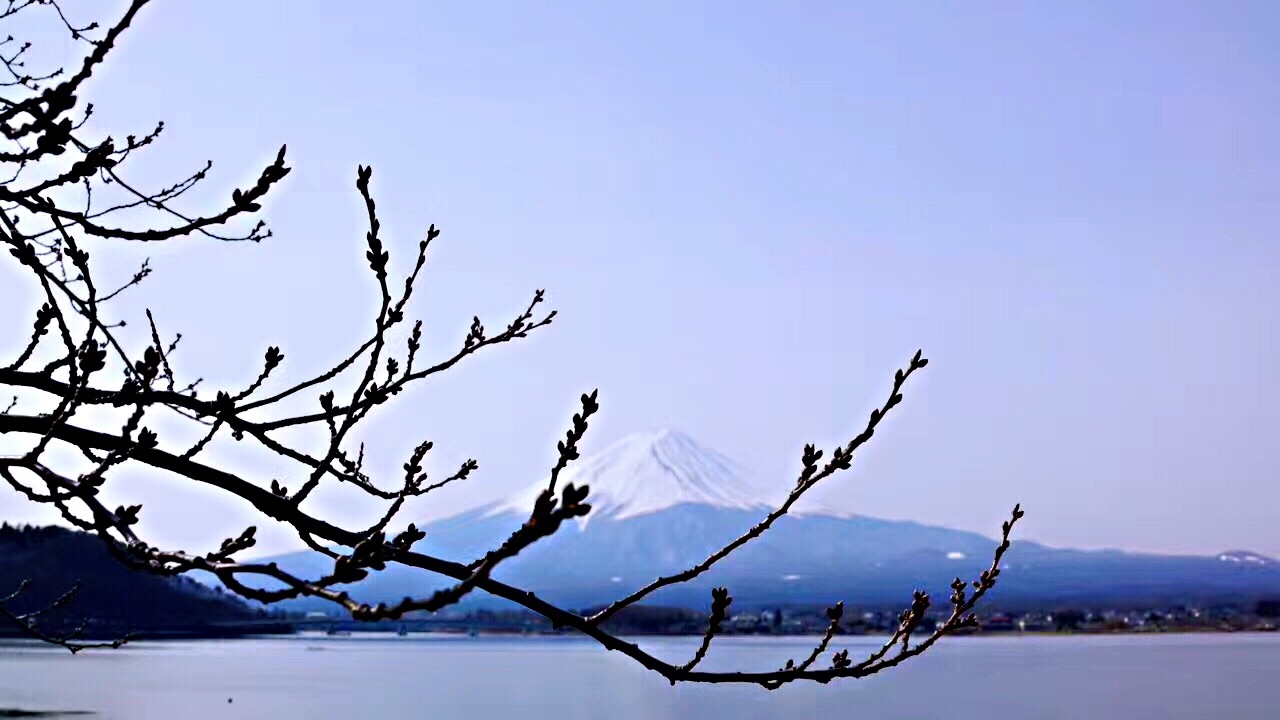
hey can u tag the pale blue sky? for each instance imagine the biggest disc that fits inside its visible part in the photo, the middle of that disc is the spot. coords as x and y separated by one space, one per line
749 214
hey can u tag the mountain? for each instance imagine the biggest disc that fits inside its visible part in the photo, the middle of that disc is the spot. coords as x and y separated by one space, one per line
661 502
648 473
112 599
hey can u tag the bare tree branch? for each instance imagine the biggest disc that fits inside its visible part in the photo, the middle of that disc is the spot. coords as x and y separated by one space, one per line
74 358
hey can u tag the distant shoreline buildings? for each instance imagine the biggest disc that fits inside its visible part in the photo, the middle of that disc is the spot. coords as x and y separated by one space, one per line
1264 616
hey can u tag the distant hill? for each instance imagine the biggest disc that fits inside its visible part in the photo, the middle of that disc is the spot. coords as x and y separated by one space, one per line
112 597
661 502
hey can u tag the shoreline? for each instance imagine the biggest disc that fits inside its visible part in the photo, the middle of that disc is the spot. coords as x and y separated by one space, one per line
438 634
278 632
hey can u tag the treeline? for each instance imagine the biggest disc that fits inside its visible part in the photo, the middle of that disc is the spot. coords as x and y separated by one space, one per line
112 599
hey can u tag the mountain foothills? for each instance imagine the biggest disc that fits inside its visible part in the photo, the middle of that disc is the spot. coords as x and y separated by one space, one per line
661 502
112 600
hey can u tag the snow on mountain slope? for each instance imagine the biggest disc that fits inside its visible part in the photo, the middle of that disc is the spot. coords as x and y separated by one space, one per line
663 503
648 472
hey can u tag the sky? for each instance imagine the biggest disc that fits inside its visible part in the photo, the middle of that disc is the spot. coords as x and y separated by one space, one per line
748 215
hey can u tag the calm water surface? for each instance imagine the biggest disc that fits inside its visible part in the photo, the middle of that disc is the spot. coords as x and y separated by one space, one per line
1131 677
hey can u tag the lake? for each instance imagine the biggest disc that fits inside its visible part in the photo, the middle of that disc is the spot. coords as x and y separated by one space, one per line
1131 677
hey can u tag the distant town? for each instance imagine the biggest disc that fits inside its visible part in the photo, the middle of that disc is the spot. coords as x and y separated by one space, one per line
1263 616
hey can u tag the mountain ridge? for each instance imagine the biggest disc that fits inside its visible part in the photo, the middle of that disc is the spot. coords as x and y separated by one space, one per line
662 502
112 599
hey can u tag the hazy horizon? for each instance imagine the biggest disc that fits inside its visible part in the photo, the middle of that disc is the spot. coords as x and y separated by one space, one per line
747 221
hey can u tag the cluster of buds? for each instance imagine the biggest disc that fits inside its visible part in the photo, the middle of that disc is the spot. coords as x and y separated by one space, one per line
958 597
548 514
413 475
569 446
376 256
126 516
230 546
910 618
405 539
521 324
720 602
371 552
93 357
835 612
810 461
475 334
273 358
245 201
148 368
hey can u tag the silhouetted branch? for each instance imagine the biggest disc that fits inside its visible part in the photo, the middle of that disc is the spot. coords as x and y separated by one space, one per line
74 357
841 459
29 622
720 602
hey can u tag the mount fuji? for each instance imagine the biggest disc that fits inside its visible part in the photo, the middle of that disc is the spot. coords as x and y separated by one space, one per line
661 502
651 472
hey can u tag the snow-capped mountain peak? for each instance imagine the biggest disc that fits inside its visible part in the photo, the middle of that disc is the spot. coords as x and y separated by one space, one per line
647 472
